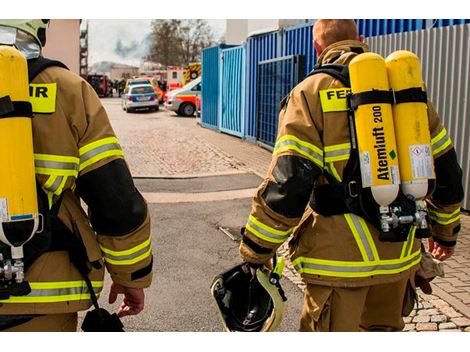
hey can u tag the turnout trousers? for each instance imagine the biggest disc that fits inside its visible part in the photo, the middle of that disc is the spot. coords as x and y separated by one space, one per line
369 308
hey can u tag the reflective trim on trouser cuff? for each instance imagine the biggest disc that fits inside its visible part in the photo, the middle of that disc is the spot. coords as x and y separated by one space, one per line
363 237
51 292
265 232
128 256
98 150
355 269
440 142
443 218
290 142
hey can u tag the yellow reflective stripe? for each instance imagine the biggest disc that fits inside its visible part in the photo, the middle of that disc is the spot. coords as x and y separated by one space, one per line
50 292
127 256
53 285
266 232
61 186
363 237
440 142
126 251
96 144
330 167
56 165
58 158
290 142
57 172
129 261
43 97
408 245
101 156
334 99
50 181
443 218
98 150
356 269
337 152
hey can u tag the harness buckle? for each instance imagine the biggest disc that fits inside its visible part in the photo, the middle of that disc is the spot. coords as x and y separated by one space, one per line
353 189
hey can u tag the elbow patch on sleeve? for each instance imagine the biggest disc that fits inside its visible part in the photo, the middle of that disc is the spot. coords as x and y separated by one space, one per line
449 189
289 195
116 206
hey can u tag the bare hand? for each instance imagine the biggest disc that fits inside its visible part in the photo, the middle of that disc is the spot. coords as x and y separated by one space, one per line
438 251
133 302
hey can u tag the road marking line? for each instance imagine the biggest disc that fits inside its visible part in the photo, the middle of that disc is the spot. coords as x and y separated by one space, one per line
166 197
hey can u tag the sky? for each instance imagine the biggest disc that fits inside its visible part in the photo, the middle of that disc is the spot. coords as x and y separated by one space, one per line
103 36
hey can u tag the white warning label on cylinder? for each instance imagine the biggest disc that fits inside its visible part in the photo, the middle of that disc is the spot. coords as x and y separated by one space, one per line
366 169
421 161
395 173
4 210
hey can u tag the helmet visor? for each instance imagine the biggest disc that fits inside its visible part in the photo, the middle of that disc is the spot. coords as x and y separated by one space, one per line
7 35
22 41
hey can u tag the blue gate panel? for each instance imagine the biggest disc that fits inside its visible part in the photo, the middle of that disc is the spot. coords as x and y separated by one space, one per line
210 87
276 79
232 103
259 48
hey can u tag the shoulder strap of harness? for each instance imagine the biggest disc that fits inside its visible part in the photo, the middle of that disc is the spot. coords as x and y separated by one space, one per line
36 66
337 71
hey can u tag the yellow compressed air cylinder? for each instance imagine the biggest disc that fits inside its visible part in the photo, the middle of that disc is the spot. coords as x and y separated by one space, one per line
374 130
18 198
411 125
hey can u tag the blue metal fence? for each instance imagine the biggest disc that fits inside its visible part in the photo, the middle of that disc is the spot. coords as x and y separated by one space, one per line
298 40
235 98
259 48
210 86
232 88
276 78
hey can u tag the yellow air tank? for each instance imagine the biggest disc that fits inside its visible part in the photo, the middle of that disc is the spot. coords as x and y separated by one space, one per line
411 130
411 124
18 201
374 129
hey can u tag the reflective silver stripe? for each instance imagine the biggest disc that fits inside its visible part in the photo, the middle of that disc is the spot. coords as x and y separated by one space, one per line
337 153
59 165
267 233
436 144
90 154
363 237
289 142
63 291
355 269
56 184
444 219
129 256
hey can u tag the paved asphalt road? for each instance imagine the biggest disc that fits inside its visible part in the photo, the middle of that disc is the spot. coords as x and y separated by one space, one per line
189 250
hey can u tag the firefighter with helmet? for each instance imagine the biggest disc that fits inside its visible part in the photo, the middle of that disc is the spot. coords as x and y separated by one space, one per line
76 157
355 281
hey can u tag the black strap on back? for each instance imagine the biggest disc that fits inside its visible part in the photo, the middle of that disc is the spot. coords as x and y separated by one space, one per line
371 97
410 95
337 71
36 66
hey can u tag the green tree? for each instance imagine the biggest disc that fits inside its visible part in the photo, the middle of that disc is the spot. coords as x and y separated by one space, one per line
166 47
179 42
